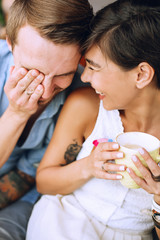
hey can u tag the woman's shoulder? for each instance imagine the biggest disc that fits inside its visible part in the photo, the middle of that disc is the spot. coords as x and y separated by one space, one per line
84 99
85 94
82 107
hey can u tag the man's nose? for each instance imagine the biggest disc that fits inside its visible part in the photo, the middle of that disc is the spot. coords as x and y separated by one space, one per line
47 89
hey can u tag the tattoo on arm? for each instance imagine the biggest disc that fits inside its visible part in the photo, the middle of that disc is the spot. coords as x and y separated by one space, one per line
72 152
14 185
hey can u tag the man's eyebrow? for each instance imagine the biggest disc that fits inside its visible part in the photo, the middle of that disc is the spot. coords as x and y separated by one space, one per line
93 63
65 74
58 75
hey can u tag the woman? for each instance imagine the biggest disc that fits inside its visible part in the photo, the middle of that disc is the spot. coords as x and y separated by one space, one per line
90 203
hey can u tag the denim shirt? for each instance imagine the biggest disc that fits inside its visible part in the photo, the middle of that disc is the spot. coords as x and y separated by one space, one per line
26 157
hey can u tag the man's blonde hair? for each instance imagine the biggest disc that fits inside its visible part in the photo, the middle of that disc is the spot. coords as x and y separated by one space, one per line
61 21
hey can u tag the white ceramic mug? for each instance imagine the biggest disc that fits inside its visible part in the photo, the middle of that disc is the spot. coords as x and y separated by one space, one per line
129 143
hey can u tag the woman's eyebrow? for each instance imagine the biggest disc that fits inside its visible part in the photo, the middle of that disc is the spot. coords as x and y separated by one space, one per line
93 63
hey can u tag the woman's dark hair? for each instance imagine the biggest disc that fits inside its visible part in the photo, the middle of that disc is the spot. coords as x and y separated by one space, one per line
128 32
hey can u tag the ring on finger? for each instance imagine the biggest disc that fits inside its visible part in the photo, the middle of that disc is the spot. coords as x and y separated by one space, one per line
23 88
156 178
29 91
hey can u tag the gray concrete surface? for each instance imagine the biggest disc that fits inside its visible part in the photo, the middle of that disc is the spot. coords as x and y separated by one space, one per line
98 4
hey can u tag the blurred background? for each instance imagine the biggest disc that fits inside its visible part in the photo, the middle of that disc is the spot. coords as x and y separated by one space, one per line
98 4
1 14
4 8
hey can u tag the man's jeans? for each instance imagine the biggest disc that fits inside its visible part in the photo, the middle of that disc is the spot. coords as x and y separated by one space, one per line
14 220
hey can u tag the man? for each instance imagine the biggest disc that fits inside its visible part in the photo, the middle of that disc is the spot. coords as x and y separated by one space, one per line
46 39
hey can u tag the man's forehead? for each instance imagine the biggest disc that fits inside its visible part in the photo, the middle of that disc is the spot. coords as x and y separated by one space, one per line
50 68
45 56
28 36
53 65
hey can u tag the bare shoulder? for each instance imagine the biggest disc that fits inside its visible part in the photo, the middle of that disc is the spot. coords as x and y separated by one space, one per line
81 110
84 98
83 106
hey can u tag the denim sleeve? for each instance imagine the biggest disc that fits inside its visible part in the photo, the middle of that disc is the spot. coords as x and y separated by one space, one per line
31 154
30 159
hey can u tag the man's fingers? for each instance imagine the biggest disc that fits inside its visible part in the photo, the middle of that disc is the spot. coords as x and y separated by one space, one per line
34 84
36 95
26 81
15 77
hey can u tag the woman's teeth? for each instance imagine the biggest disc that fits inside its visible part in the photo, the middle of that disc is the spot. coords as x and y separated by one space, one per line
99 93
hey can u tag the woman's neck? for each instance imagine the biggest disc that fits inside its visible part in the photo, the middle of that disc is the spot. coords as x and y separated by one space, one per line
144 114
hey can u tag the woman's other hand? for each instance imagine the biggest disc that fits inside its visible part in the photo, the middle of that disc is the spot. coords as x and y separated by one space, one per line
151 175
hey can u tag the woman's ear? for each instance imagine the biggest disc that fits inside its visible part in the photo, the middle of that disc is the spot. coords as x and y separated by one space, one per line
145 75
9 43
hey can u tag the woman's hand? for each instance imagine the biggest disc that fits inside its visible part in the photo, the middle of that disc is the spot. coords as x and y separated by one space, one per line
23 89
101 164
149 181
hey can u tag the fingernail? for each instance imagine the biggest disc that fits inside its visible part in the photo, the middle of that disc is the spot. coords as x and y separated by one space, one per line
134 158
95 143
141 151
115 146
122 168
119 177
110 140
40 87
34 73
40 77
128 170
119 155
23 71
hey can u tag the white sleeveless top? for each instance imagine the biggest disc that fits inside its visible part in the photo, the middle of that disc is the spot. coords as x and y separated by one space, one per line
108 200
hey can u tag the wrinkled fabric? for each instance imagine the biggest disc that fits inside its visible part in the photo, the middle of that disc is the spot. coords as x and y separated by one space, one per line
100 209
62 218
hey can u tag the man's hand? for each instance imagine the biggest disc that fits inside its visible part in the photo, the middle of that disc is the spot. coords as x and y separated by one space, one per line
24 89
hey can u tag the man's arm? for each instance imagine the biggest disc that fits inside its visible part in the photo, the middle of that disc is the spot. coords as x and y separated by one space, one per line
21 107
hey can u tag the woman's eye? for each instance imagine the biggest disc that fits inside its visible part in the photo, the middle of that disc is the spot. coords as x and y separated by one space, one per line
90 68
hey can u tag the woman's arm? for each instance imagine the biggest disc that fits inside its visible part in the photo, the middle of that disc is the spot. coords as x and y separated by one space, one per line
75 123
